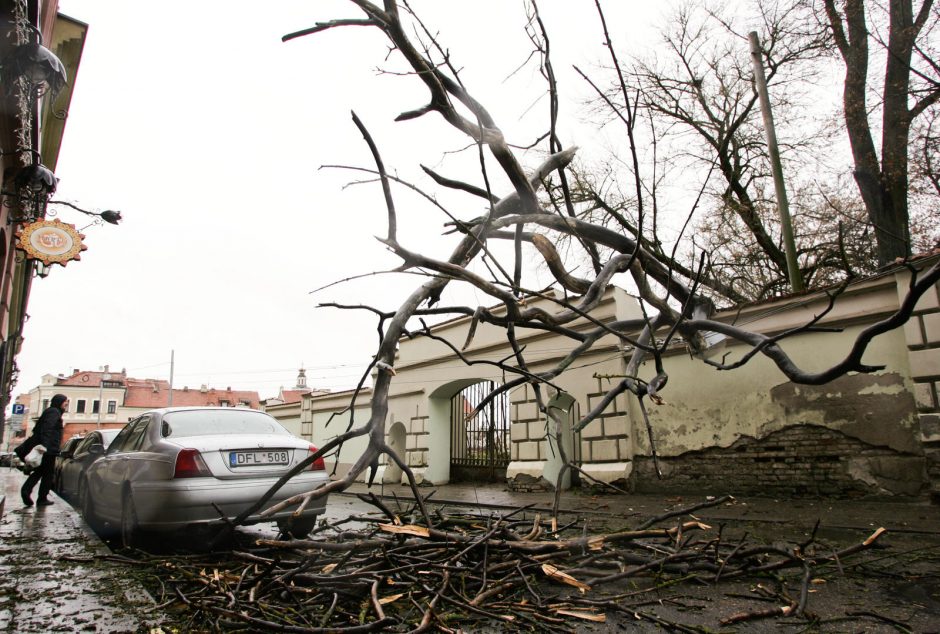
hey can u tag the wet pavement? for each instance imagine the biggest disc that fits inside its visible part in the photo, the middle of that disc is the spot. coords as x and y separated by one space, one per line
899 515
55 574
52 576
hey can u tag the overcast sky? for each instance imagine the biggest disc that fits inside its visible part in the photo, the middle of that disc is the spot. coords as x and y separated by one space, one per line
208 133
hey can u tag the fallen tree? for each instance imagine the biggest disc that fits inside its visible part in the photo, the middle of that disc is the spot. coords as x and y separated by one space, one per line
672 304
515 571
672 301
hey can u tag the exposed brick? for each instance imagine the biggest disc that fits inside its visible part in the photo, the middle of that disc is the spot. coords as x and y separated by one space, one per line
518 431
798 460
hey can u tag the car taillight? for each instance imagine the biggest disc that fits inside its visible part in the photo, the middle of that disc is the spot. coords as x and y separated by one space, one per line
318 463
189 464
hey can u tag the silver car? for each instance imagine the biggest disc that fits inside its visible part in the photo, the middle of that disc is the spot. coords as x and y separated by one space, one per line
68 476
179 468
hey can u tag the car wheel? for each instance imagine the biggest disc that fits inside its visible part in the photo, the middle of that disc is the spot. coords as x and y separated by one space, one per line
130 530
297 527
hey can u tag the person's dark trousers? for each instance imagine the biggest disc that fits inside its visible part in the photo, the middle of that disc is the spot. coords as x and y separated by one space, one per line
43 475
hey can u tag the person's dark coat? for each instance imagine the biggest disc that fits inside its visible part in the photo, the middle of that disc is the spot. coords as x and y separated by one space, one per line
47 431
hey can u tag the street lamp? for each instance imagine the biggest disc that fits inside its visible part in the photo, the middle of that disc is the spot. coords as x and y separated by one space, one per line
104 377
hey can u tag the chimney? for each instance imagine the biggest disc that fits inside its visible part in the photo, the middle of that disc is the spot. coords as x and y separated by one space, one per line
76 371
204 388
185 388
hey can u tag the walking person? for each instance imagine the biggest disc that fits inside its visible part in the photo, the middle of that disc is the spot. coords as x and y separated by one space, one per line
48 433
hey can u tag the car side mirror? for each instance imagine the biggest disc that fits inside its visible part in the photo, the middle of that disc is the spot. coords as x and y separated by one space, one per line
96 449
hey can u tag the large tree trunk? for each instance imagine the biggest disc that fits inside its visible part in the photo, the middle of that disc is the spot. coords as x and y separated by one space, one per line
883 187
894 239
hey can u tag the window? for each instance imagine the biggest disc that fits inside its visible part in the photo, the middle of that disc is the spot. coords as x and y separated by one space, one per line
224 403
131 437
121 438
82 447
208 422
80 406
95 406
112 407
138 435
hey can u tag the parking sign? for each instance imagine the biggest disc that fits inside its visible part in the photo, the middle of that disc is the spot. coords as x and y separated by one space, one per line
19 408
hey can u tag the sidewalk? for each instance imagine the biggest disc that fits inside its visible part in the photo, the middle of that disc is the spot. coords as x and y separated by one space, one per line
897 515
50 579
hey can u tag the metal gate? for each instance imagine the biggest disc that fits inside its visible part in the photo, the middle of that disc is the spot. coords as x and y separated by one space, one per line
479 446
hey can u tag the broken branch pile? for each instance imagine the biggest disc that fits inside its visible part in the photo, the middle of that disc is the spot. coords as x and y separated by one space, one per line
470 571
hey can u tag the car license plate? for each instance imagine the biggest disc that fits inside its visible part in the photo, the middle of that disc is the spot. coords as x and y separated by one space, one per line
252 458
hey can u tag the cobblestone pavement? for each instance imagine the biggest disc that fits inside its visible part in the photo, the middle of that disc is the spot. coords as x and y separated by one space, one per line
50 577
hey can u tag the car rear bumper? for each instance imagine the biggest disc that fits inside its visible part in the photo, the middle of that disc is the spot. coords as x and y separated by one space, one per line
175 504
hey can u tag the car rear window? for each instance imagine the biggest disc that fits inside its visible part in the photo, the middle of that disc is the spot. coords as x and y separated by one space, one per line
216 422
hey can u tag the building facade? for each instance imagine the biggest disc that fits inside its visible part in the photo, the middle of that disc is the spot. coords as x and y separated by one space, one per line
32 123
747 431
105 399
286 406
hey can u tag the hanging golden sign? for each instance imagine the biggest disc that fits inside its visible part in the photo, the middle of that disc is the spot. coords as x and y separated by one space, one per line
51 241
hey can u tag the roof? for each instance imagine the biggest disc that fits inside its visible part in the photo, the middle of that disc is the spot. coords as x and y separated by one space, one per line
191 408
151 393
83 378
293 396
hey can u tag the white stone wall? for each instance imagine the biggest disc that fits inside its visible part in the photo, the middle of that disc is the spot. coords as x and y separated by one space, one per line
703 408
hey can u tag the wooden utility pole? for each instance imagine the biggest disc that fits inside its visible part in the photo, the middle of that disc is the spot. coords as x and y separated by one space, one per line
783 205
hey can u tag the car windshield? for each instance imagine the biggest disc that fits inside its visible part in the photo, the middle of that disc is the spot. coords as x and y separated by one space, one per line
211 422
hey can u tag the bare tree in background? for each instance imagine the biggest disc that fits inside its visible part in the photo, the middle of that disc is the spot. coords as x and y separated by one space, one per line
901 38
694 101
671 297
